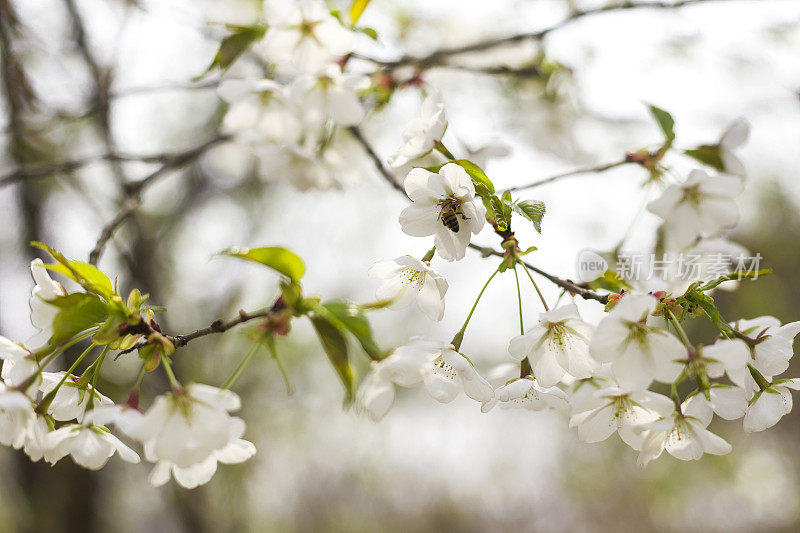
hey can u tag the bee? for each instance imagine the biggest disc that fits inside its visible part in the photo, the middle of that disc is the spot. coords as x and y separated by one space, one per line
451 210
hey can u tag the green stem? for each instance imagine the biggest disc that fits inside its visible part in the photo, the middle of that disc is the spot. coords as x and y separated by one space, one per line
673 393
173 382
96 366
679 329
442 149
519 302
50 358
460 335
284 373
240 367
48 398
535 286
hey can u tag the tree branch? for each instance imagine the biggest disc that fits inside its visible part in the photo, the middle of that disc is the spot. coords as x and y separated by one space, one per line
439 57
133 196
568 285
218 326
570 173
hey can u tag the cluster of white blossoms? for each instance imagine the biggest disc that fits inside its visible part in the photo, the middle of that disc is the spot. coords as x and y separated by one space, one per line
51 415
289 122
607 378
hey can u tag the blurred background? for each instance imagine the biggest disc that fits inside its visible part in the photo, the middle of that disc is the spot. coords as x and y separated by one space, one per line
88 77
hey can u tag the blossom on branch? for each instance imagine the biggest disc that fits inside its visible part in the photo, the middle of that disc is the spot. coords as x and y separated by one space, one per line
444 206
421 134
407 279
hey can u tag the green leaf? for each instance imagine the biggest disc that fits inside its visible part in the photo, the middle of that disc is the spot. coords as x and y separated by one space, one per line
335 345
533 210
87 276
351 317
738 275
235 44
708 154
476 173
372 33
356 9
665 122
498 208
77 312
274 257
610 281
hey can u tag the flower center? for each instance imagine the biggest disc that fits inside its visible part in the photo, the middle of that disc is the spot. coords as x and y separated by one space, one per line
442 369
414 278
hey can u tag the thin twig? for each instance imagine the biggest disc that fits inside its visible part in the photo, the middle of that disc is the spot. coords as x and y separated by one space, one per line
563 283
439 57
133 197
218 326
570 173
376 160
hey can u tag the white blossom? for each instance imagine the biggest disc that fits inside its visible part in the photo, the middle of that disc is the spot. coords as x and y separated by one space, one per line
728 356
19 364
727 402
16 417
613 409
557 345
42 312
185 427
330 94
453 372
734 136
526 393
237 451
684 437
260 111
437 196
638 351
422 133
774 344
703 205
37 445
770 405
304 33
70 402
407 279
89 446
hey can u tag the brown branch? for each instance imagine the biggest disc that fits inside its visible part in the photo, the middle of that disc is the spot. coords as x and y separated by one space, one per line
387 174
218 326
440 57
133 196
101 80
566 284
570 173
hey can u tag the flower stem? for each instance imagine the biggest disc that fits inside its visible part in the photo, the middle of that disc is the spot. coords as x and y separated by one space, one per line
519 301
174 383
442 149
460 335
535 286
679 329
49 359
240 367
48 398
96 373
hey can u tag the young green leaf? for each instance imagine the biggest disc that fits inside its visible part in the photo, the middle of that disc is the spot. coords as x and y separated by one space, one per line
708 154
235 44
274 257
352 318
87 276
738 275
533 210
335 345
665 122
77 312
476 173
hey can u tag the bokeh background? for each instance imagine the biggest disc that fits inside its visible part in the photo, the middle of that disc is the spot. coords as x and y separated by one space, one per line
425 467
